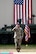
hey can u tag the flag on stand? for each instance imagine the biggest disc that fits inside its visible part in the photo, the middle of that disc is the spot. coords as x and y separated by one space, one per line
22 10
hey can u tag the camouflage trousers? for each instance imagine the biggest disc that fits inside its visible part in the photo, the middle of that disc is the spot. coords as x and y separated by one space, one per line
17 43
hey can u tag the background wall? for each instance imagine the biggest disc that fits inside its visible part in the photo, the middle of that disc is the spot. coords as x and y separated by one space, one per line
6 12
34 9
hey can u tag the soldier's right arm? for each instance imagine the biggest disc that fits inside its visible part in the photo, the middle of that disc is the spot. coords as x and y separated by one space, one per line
14 29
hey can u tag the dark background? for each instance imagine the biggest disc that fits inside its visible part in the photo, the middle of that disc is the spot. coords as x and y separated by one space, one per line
6 37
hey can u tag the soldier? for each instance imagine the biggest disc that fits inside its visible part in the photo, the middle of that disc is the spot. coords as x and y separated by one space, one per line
18 36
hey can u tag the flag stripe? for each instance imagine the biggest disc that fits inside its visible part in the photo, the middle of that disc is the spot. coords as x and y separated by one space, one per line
22 15
18 11
30 11
21 11
27 10
24 11
15 14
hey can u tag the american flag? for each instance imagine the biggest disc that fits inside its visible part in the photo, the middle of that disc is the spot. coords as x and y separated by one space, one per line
23 10
27 32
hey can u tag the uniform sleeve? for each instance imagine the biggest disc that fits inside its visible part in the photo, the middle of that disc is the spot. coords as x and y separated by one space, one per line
14 29
22 33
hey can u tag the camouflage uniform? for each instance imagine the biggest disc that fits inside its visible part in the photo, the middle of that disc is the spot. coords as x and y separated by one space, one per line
18 36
